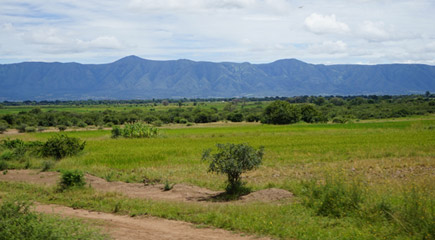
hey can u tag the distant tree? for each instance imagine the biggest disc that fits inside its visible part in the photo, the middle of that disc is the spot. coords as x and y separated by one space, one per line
281 112
319 101
337 101
309 113
235 117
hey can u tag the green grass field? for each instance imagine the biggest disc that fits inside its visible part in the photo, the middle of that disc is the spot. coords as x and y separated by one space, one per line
389 159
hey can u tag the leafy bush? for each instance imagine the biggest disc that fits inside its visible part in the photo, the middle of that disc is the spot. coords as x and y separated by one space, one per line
60 146
235 117
82 124
116 132
7 155
11 144
3 128
417 214
3 165
18 222
22 128
47 165
62 128
71 178
233 160
333 198
135 130
281 112
30 129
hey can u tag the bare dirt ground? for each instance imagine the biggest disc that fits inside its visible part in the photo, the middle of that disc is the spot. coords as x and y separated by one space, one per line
180 192
138 228
128 228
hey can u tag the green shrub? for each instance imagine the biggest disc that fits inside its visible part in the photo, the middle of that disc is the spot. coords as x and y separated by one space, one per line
157 123
3 128
71 178
116 132
135 130
82 124
60 146
339 120
281 112
182 121
416 214
7 155
3 165
14 143
30 129
21 128
233 160
18 222
334 198
47 165
62 128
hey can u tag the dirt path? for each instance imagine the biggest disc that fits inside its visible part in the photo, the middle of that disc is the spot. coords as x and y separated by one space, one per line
180 192
137 228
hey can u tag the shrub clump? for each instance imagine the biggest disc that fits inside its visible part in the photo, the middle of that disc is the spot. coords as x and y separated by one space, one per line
71 178
135 130
334 198
60 146
18 222
233 160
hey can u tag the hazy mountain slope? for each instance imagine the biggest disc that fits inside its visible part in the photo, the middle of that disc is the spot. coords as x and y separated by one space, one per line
132 77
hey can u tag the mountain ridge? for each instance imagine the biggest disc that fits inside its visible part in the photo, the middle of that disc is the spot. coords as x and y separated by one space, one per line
133 77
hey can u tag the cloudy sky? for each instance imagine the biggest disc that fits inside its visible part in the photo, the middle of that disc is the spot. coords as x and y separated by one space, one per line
256 31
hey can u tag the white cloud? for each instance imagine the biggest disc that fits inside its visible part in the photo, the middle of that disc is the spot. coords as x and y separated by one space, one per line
320 24
328 47
374 31
92 31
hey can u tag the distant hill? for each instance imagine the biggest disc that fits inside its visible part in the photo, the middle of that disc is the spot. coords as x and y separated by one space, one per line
136 78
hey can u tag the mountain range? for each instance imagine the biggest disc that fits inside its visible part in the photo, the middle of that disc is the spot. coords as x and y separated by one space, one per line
136 78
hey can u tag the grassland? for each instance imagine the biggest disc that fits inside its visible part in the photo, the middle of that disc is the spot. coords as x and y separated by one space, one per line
390 160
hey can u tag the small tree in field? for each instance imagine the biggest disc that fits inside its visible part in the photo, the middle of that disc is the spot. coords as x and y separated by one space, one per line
233 160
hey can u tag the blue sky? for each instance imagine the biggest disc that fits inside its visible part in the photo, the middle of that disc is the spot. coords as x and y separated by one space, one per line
256 31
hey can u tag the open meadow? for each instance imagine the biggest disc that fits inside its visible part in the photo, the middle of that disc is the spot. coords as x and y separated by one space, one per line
369 180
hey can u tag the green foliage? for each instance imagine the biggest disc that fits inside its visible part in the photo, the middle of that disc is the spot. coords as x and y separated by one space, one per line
235 117
333 198
11 144
3 128
60 146
135 130
116 132
71 178
22 128
7 155
281 112
168 186
416 214
233 160
47 165
3 165
30 129
18 222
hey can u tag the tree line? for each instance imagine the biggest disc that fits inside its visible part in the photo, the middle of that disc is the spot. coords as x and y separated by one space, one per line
310 109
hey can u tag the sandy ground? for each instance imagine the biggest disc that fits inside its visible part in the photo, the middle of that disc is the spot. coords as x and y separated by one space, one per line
125 227
180 192
138 228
